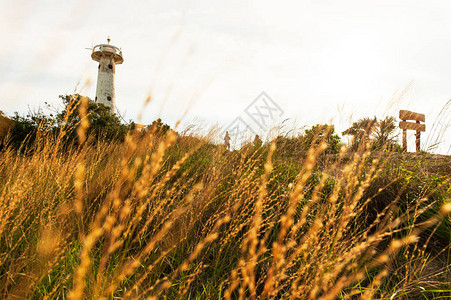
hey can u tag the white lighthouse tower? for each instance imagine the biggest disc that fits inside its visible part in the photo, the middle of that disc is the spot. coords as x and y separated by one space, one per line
108 57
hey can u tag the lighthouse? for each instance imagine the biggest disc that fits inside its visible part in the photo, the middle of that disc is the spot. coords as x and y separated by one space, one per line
108 57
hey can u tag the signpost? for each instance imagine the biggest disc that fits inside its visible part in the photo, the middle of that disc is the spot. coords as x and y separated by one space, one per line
406 115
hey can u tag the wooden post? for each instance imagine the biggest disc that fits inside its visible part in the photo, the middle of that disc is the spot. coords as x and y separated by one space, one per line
406 115
404 140
417 139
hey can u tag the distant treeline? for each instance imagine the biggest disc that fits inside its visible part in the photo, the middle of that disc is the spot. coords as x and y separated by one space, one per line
20 132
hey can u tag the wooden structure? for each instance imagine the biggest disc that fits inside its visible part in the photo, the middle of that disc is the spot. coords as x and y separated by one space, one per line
405 116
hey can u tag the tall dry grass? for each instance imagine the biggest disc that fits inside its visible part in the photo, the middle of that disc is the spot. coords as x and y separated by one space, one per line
179 217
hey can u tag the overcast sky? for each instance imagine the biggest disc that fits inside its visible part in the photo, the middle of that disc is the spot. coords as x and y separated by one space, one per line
206 61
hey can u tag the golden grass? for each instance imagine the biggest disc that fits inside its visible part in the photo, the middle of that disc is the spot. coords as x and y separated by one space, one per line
172 216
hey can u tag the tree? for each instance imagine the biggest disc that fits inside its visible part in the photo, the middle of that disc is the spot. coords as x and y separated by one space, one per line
381 134
385 134
102 123
23 130
361 132
158 128
319 133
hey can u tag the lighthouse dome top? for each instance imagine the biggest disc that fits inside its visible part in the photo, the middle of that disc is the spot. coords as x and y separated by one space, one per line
102 50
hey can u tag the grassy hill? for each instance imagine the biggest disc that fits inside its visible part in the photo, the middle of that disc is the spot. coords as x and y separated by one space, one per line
178 217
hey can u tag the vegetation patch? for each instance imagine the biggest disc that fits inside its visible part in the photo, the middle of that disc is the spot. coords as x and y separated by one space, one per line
94 208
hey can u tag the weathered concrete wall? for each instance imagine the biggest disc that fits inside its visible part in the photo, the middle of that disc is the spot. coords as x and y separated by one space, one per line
105 93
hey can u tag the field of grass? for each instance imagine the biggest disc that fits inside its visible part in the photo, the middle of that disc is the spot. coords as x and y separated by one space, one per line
177 217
